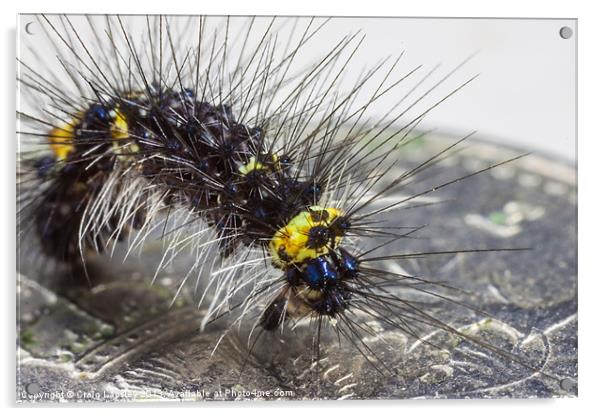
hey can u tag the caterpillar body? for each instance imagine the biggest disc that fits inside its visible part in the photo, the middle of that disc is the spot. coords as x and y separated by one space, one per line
198 155
273 181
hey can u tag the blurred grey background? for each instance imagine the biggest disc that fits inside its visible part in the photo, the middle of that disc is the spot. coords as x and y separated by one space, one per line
525 94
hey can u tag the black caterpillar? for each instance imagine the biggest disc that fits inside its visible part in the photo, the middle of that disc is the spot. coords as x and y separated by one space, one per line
171 130
198 156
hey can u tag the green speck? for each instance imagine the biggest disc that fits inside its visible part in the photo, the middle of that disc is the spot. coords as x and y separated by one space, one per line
65 358
77 347
497 217
411 143
107 331
27 338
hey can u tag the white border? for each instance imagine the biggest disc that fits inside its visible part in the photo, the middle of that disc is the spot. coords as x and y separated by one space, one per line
589 158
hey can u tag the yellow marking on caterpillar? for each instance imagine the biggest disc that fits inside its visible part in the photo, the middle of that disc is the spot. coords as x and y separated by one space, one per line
289 243
276 161
252 165
120 131
119 128
61 139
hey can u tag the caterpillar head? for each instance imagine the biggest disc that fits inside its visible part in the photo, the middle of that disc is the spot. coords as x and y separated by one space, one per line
323 283
318 271
310 234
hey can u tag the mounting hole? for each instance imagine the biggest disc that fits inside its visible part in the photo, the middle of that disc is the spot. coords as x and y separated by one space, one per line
566 32
568 384
33 388
29 28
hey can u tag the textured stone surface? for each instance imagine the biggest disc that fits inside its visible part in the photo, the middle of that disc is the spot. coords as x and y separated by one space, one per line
121 340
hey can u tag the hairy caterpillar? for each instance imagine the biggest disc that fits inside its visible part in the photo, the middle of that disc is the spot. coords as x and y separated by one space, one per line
274 181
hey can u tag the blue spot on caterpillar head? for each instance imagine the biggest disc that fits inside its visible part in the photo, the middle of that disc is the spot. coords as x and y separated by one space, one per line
284 171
